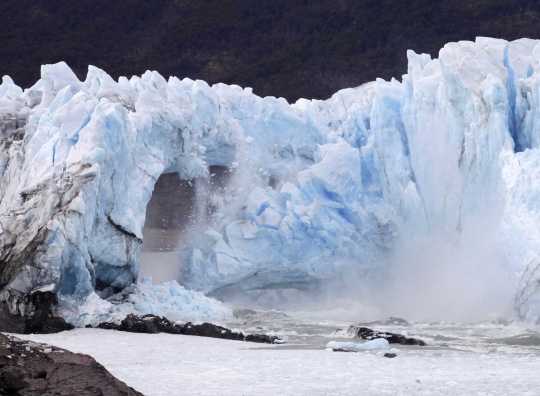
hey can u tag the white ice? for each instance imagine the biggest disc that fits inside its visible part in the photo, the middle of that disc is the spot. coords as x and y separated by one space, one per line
372 345
321 190
168 299
182 365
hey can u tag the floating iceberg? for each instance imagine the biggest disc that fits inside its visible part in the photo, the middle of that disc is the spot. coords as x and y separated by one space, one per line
452 148
373 345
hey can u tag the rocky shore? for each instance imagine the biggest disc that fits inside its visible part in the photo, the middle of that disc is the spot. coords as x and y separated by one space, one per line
152 324
31 369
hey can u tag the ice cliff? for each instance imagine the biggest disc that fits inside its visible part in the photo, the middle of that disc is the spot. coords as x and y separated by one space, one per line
316 186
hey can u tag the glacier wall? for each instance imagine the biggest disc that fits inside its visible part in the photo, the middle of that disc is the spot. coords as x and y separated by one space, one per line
317 187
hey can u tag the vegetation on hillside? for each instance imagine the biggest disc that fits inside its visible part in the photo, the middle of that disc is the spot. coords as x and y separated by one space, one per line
289 48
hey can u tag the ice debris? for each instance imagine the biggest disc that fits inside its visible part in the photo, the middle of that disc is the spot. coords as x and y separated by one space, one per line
168 299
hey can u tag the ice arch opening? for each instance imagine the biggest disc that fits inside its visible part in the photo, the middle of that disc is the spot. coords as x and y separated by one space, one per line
179 210
168 214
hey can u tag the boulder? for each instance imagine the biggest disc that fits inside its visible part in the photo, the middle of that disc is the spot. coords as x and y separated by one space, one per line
393 338
46 326
31 369
39 320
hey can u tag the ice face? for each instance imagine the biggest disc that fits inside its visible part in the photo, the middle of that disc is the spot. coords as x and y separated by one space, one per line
316 187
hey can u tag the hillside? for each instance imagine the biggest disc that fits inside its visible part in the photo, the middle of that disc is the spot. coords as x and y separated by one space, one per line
298 48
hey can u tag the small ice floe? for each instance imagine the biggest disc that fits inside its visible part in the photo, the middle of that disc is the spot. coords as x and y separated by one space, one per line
341 345
379 344
47 350
374 345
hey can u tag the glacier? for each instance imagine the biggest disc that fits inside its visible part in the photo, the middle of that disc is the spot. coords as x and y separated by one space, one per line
317 189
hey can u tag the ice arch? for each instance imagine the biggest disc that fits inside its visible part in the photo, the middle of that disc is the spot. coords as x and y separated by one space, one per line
80 161
316 183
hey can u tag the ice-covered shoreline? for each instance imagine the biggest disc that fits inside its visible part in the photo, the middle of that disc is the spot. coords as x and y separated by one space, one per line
175 364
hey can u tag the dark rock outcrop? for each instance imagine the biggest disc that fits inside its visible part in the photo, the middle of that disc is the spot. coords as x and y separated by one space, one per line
151 324
11 382
261 339
393 338
39 321
42 304
10 323
30 369
46 326
214 331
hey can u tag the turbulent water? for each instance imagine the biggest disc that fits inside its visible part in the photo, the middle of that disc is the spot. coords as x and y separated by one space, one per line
313 330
